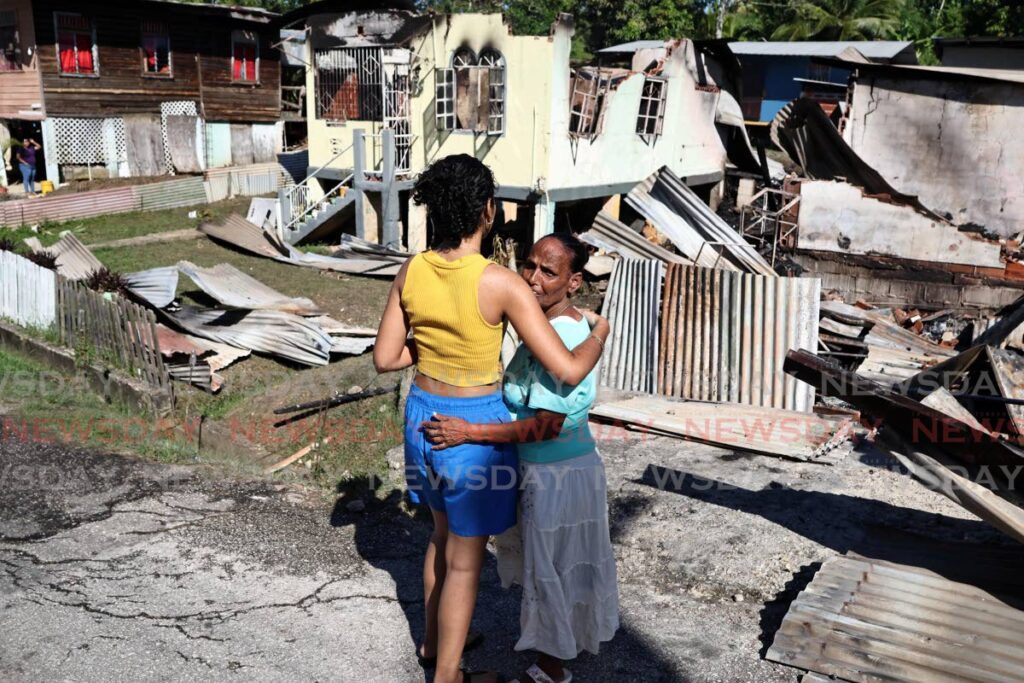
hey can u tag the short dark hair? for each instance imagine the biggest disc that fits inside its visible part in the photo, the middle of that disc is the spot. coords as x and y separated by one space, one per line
455 190
579 252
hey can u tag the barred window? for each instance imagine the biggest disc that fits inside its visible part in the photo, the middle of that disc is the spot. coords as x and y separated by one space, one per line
156 49
494 62
76 44
245 57
651 118
349 84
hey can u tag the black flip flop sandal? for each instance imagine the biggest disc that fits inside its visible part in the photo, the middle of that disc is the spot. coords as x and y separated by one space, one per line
473 640
467 676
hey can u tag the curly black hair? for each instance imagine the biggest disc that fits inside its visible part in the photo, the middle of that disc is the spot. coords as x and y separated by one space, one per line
455 190
579 252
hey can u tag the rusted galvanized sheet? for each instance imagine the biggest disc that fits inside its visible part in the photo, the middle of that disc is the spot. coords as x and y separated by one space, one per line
759 429
615 237
68 206
631 305
171 194
698 232
870 620
235 289
726 334
28 293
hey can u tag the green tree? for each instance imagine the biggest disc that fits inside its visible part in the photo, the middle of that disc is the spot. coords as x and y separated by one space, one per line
841 20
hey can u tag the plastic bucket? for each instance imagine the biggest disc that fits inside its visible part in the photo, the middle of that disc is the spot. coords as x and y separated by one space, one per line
46 186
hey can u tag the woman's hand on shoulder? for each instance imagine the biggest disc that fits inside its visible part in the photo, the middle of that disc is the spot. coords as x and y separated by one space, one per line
592 317
445 431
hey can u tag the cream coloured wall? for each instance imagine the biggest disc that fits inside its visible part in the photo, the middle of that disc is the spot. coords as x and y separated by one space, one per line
516 156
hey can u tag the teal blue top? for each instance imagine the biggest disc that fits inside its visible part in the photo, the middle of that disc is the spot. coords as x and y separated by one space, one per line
528 387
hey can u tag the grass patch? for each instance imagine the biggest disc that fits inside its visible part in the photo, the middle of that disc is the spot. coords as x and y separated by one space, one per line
51 406
352 299
122 225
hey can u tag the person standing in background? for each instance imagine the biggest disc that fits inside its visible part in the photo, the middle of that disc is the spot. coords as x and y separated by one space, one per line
27 164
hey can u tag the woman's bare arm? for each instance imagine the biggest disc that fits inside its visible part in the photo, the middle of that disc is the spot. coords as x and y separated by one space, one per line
446 432
520 305
393 350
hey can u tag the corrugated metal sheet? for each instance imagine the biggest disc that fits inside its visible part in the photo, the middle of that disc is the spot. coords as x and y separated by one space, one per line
28 293
156 285
65 207
725 336
218 145
631 305
615 237
759 429
171 194
697 231
74 260
868 620
274 333
233 288
872 49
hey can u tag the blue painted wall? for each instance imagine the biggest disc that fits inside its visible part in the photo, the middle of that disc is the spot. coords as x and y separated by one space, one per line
771 79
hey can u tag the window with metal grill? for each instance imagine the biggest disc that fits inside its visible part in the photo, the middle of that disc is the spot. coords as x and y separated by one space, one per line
245 57
76 44
156 49
651 118
349 84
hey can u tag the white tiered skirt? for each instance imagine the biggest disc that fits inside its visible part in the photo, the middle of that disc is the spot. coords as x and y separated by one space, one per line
560 552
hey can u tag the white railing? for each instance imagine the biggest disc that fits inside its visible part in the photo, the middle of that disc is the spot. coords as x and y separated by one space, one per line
296 202
314 207
27 291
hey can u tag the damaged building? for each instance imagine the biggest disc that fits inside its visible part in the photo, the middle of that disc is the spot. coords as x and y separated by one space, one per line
908 198
392 90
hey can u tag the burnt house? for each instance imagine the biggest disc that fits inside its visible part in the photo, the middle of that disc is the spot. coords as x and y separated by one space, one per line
139 88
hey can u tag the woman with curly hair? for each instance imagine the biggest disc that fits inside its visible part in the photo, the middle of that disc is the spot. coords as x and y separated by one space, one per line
454 302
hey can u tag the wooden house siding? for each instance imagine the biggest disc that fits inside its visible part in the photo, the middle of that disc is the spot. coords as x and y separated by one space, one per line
200 44
20 90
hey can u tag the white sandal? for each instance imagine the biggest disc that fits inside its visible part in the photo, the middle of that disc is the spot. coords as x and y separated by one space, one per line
537 675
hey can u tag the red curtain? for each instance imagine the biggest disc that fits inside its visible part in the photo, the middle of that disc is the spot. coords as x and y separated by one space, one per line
67 52
68 43
245 63
84 43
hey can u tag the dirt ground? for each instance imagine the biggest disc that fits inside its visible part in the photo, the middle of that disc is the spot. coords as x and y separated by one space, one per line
112 568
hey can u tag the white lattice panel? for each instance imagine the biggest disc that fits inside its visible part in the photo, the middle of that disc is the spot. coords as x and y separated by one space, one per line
79 141
174 108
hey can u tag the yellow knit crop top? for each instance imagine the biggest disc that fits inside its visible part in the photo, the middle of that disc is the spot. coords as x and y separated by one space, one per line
454 344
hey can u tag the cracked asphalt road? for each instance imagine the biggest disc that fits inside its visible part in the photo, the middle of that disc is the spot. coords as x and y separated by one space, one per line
117 569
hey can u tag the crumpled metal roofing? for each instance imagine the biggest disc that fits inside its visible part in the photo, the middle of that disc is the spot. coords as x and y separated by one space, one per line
615 237
871 620
235 289
697 231
274 333
725 336
240 233
631 306
156 285
74 260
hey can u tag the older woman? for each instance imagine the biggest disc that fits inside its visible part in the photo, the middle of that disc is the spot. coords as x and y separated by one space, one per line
454 302
561 551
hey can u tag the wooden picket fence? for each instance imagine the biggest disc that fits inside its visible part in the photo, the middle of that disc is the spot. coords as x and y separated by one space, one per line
121 331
